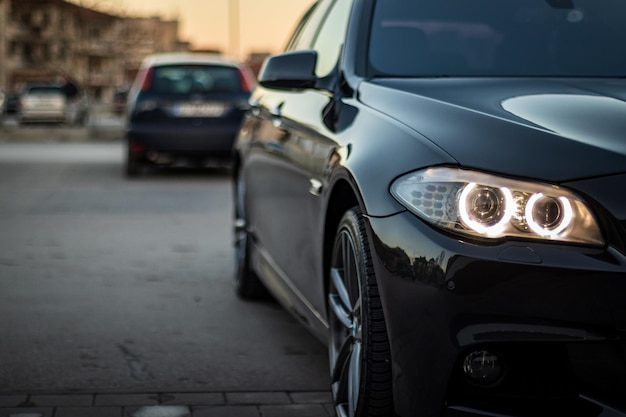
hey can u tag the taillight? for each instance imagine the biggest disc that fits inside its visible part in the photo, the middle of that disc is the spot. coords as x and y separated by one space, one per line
147 79
137 147
247 79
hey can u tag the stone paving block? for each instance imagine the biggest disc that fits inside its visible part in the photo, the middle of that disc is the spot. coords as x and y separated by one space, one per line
204 398
89 412
126 399
61 400
26 412
294 410
158 411
227 411
12 400
257 398
311 397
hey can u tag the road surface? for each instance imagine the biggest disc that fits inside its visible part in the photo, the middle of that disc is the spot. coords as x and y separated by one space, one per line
118 287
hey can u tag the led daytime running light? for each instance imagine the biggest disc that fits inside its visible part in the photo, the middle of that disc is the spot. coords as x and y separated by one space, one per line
565 220
477 204
494 230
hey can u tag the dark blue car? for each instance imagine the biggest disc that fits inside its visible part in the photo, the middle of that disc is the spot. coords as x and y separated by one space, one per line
185 109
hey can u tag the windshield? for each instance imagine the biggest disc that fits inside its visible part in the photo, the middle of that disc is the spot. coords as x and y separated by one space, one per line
498 38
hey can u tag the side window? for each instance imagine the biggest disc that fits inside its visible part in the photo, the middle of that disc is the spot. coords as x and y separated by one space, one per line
331 36
308 27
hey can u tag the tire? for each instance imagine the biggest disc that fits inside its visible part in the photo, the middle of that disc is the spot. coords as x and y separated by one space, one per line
133 167
246 282
359 353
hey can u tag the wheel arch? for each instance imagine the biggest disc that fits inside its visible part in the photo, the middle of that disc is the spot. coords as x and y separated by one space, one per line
342 198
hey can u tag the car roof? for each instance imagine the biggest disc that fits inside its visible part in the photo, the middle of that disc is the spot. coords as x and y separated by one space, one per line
187 58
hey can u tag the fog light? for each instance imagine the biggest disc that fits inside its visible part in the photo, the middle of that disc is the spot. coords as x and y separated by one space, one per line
483 367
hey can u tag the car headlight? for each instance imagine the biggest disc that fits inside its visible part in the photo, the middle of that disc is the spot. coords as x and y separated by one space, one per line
488 206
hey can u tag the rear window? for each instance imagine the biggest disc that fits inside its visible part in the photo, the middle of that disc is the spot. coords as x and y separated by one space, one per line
44 90
189 79
498 38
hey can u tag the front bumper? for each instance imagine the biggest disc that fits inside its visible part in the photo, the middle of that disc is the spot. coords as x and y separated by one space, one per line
555 315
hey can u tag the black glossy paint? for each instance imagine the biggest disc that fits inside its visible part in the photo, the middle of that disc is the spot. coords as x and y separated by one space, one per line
568 128
556 313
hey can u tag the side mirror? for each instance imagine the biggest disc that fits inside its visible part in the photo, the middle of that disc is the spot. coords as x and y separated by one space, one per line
289 71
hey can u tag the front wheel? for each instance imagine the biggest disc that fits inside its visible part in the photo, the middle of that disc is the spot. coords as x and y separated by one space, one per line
359 353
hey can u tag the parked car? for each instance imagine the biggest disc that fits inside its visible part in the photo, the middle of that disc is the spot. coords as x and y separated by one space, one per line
11 104
436 190
185 108
48 103
42 103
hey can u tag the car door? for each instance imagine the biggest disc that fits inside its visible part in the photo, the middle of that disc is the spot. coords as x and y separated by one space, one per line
292 150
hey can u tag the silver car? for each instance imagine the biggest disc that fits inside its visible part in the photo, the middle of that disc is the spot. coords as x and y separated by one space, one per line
42 103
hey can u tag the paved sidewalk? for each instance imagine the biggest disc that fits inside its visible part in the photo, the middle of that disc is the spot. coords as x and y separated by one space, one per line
209 404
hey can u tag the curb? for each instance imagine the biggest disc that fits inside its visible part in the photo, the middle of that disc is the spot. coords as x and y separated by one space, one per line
209 404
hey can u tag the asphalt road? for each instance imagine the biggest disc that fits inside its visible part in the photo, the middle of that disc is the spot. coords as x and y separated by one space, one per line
111 285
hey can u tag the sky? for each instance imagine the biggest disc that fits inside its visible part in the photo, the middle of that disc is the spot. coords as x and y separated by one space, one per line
264 25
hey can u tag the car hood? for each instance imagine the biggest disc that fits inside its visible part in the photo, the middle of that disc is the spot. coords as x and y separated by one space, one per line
556 130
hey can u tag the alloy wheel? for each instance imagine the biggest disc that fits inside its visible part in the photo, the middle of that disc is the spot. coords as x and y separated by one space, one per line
346 329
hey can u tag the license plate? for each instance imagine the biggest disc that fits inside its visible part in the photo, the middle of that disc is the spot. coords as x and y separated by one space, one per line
199 110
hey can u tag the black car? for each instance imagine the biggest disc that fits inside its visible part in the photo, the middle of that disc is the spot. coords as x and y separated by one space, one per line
12 104
185 108
437 190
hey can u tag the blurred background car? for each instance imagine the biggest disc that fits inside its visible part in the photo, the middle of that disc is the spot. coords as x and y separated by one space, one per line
185 109
42 103
47 103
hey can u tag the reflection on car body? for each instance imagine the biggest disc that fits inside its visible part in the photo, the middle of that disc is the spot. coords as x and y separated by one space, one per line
185 107
435 189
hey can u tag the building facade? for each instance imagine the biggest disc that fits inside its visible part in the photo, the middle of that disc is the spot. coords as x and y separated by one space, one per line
45 40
